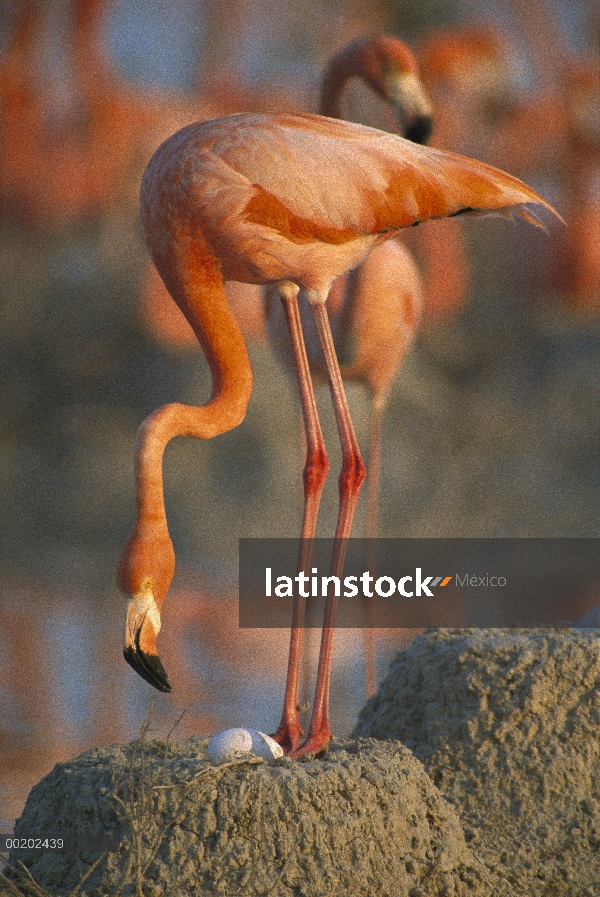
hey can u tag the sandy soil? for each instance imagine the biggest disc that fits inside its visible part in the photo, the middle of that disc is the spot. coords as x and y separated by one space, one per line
474 772
507 724
364 820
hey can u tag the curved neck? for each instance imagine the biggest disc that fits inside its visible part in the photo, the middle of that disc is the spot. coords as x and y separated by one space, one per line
193 278
373 60
389 68
342 67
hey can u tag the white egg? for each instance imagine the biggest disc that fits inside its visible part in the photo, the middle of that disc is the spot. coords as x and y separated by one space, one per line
230 744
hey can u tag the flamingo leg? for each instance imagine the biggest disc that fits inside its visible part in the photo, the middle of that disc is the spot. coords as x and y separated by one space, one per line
316 468
372 515
351 479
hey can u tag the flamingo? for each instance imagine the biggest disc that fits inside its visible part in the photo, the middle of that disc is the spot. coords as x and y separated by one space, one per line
20 123
569 85
375 309
483 110
294 201
83 137
95 131
469 76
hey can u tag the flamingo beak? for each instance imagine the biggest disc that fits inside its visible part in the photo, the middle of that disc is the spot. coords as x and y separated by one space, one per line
411 106
420 128
141 628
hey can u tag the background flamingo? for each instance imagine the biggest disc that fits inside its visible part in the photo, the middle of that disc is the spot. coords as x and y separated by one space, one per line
94 130
374 311
468 74
250 198
569 84
548 131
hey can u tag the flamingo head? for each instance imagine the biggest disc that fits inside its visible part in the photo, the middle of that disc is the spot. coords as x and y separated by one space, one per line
144 575
389 67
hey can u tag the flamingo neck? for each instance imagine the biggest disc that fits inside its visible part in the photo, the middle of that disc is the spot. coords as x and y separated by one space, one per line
194 280
21 48
369 59
342 67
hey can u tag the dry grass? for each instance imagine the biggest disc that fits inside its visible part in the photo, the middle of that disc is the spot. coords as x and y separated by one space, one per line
132 797
132 810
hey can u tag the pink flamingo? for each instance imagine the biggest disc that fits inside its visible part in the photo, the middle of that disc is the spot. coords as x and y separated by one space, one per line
293 201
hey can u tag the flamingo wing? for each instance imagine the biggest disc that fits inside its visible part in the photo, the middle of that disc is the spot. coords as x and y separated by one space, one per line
279 180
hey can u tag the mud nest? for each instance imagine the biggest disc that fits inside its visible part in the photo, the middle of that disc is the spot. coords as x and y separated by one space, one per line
507 724
364 820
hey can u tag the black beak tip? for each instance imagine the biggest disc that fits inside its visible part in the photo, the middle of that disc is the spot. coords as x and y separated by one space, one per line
419 130
149 667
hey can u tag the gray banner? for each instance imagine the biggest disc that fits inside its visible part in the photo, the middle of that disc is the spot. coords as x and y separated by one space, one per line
414 583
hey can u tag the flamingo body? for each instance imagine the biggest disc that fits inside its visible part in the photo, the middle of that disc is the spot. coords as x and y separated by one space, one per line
341 188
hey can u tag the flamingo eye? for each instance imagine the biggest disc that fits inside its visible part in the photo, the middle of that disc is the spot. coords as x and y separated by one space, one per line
147 585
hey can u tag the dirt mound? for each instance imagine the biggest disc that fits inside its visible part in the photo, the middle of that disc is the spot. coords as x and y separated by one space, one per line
507 724
364 820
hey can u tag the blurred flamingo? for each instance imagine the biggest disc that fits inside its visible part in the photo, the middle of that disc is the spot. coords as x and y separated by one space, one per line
570 83
294 201
94 131
580 251
21 126
73 125
469 73
552 135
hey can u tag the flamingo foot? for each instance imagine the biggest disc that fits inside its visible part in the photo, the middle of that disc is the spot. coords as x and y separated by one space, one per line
317 745
289 733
